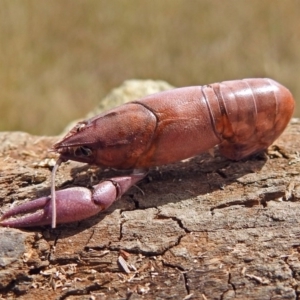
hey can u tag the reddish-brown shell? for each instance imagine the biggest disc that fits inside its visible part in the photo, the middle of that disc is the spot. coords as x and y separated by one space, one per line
249 114
241 116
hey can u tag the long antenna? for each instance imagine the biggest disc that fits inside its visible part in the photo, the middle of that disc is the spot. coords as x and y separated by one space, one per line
53 196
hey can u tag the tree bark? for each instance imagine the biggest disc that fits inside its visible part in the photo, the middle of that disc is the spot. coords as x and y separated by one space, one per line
204 228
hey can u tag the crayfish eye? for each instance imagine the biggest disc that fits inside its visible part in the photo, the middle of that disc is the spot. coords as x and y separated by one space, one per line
82 151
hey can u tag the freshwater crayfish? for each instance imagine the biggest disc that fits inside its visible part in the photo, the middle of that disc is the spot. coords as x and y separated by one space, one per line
242 117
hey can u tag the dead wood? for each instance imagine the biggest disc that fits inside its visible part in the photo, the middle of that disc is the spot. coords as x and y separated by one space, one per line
206 228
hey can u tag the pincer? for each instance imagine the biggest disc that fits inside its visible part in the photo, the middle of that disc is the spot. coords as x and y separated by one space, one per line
72 204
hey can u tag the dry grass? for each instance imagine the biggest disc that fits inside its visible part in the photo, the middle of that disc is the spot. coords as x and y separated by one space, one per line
59 58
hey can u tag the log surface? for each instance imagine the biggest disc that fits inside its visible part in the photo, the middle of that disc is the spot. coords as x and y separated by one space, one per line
204 228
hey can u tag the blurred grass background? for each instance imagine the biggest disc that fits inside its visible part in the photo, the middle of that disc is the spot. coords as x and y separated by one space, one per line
59 58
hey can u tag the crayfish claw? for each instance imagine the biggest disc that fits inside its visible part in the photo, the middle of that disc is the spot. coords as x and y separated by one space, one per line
32 213
73 204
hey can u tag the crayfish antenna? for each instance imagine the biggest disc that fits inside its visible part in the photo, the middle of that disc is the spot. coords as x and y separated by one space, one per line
53 196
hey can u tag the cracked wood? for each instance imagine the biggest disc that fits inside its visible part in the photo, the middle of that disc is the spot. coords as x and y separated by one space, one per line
202 228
